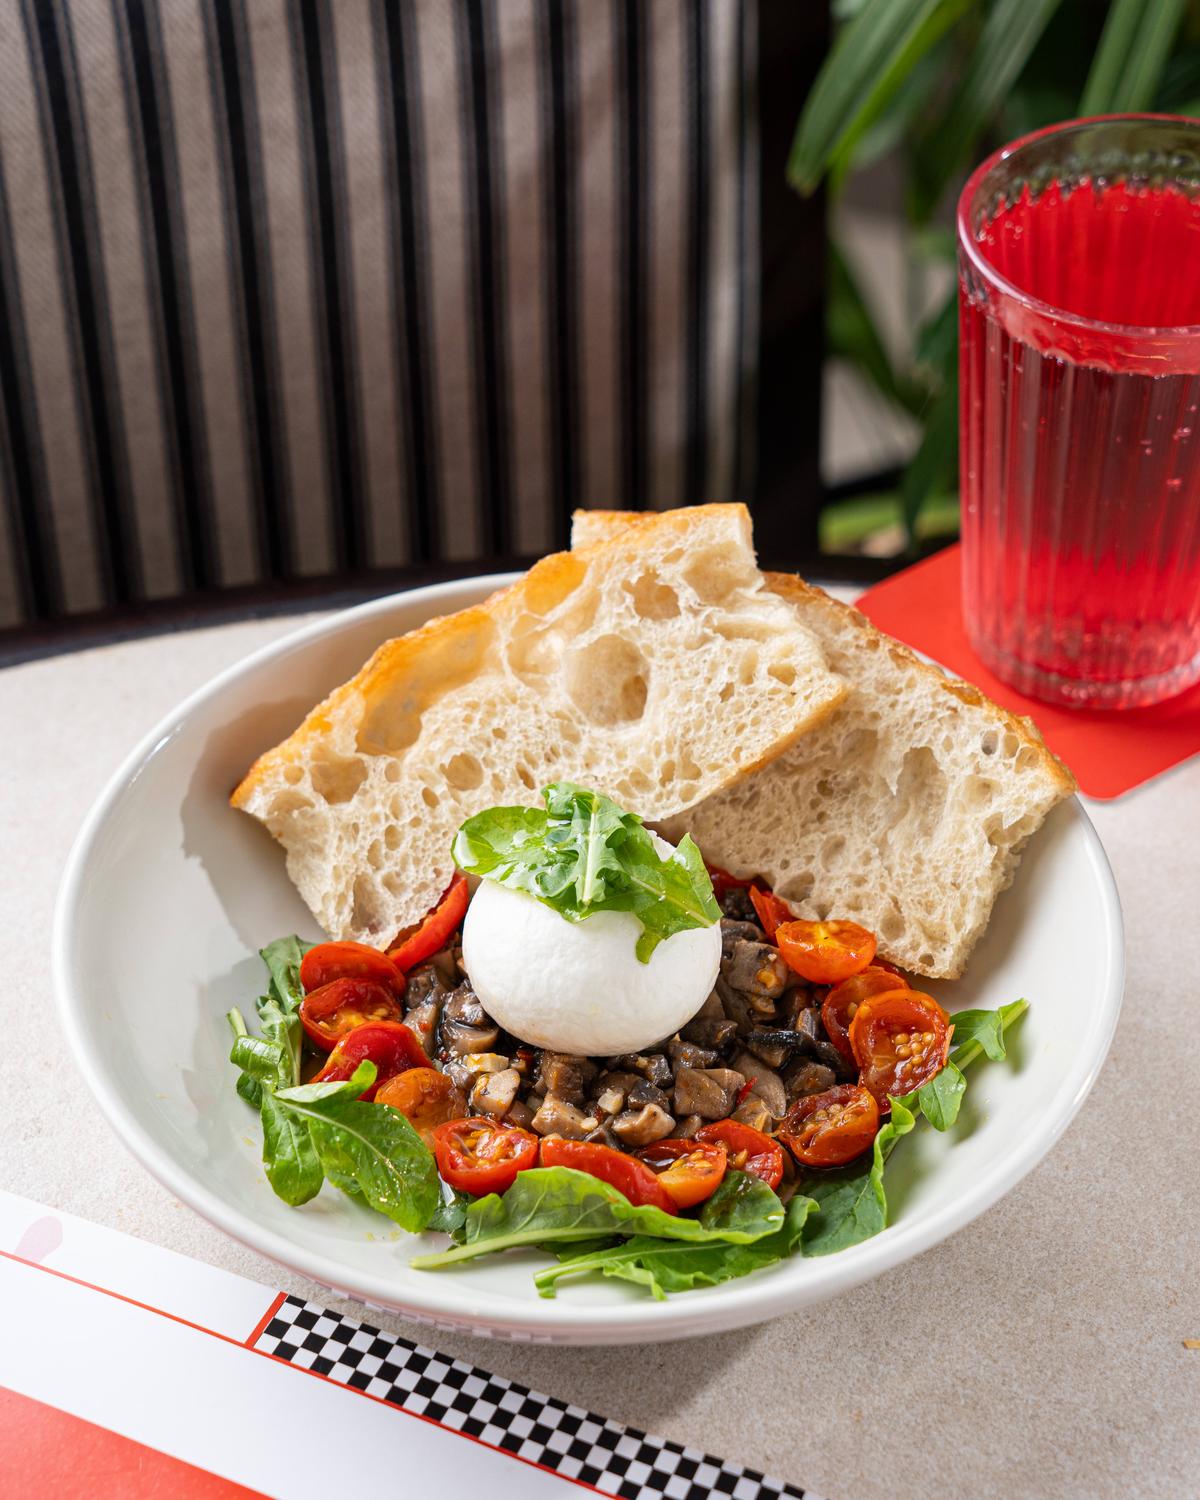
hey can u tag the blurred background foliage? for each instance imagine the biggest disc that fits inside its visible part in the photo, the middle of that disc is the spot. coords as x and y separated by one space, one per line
930 87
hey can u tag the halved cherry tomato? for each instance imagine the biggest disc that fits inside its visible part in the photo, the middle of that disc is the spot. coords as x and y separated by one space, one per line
329 961
883 963
900 1040
425 1097
691 1171
841 1003
390 1045
771 910
431 934
478 1156
748 1150
825 952
830 1129
628 1175
723 882
329 1013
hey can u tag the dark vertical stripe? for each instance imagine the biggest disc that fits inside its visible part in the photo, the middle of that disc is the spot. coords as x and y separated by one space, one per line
632 111
399 92
321 150
165 256
560 169
235 111
35 555
738 477
792 40
82 273
699 229
483 178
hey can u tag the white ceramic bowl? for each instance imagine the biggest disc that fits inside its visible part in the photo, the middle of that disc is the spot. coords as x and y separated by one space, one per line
169 893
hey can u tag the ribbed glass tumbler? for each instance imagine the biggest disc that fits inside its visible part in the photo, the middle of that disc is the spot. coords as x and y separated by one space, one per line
1079 359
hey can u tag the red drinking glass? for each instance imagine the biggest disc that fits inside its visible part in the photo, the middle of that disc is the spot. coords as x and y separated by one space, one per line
1079 358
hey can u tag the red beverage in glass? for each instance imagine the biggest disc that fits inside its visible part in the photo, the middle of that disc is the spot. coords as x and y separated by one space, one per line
1079 258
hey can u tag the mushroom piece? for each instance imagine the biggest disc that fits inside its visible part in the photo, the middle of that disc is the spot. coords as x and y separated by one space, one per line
557 1117
564 1076
808 1024
487 1062
805 1077
643 1092
650 1123
610 1100
757 971
706 1091
739 932
766 1083
686 1128
752 1111
689 1055
653 1066
520 1114
710 1032
494 1093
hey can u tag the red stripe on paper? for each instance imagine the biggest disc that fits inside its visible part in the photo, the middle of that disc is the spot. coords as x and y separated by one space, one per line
44 1451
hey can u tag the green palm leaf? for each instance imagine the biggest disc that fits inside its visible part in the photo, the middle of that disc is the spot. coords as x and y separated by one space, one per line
872 56
1010 33
1131 57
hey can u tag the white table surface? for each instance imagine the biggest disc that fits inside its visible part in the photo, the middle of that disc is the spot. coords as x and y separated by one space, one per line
1038 1352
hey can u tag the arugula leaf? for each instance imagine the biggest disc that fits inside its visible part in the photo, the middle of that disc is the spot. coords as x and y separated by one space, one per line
940 1098
260 1058
583 855
676 1265
984 1030
369 1152
282 958
450 1214
289 1155
548 1204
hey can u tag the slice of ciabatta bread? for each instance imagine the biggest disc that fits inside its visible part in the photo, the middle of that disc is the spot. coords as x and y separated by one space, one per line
907 810
655 666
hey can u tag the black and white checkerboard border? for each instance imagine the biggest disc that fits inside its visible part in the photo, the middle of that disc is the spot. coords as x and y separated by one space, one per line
616 1460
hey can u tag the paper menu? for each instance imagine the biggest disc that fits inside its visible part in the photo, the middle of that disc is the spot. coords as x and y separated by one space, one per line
191 1377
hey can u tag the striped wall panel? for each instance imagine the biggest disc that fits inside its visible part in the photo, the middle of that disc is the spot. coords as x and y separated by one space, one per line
292 288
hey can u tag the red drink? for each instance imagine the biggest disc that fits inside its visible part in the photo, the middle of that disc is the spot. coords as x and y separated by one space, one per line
1079 254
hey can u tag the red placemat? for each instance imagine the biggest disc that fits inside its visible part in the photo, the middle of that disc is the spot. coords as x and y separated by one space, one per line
1109 751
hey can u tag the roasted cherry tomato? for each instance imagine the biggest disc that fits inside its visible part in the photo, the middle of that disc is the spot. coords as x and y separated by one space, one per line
425 1097
478 1156
433 932
900 1040
689 1170
771 910
825 952
830 1129
390 1045
329 961
628 1175
748 1150
333 1011
840 1004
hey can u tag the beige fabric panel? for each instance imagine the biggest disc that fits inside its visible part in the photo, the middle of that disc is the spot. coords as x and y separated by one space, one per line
374 305
139 373
525 165
292 270
48 326
599 324
208 231
668 165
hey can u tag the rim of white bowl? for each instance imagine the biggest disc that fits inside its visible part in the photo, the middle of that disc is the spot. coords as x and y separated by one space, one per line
709 1309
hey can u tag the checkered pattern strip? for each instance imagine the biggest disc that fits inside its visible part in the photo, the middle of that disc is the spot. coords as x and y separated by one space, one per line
616 1460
